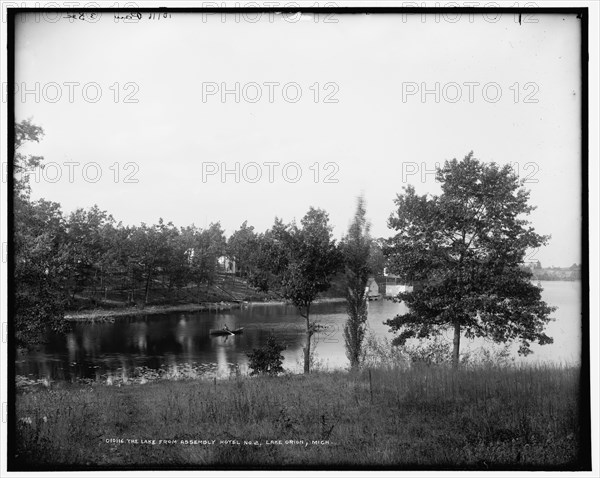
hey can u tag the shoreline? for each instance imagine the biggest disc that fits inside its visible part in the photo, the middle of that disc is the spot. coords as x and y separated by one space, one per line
108 315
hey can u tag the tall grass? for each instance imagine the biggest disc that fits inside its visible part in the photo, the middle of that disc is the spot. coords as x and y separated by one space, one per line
426 416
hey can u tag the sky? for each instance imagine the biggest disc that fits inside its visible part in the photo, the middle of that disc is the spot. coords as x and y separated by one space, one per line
325 109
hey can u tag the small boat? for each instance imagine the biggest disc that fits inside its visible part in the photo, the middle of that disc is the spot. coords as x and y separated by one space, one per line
225 332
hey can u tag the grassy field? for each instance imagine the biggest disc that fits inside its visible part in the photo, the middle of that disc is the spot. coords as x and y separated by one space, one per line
422 417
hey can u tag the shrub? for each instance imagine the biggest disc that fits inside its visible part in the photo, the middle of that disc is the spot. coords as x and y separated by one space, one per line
434 351
267 359
379 352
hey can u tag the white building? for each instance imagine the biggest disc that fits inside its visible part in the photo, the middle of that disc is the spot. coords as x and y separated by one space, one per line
393 286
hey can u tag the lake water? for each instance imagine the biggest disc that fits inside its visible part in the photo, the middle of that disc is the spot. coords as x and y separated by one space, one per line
179 341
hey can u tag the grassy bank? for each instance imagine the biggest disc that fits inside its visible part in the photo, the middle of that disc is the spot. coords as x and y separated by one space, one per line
426 417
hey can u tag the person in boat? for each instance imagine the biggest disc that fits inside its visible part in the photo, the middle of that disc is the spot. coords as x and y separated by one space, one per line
226 329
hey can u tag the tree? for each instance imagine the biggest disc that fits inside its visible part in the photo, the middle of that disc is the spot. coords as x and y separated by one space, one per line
463 251
356 247
376 257
241 247
87 244
147 250
269 258
39 251
299 263
202 251
25 132
176 269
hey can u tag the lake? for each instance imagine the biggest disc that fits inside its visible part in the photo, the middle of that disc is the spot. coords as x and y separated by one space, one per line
181 341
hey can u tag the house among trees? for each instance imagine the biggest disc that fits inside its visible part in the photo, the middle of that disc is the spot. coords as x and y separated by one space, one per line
393 285
227 265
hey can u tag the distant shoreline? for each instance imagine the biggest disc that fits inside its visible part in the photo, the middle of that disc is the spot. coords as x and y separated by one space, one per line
108 315
105 315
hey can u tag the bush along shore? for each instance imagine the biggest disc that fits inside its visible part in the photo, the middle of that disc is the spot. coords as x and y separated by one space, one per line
477 417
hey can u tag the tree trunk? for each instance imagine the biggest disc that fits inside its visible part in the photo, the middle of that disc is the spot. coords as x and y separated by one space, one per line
307 348
456 344
147 286
132 286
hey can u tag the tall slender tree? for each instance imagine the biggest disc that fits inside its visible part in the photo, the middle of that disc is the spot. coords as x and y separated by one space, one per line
356 247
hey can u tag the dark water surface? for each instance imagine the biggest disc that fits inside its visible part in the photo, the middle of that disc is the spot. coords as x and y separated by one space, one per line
180 341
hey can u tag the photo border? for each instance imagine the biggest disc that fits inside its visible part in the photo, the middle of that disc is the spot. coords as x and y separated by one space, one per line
585 403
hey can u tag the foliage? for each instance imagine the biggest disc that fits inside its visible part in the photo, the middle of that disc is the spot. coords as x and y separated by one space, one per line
267 359
310 258
378 352
356 248
87 246
463 251
242 247
435 351
25 132
39 250
377 258
298 262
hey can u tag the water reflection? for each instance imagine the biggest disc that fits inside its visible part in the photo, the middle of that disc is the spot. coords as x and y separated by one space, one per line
180 342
